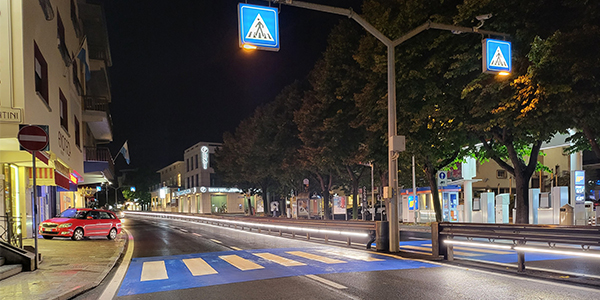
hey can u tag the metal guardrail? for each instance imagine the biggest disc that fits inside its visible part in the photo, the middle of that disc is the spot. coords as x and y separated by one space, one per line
9 231
515 237
329 232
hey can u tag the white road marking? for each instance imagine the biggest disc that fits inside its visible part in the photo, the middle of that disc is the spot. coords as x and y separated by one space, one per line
280 260
199 267
196 234
241 263
113 286
327 282
181 229
154 270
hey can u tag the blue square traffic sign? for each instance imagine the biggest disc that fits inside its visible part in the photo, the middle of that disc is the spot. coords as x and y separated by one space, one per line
259 27
497 56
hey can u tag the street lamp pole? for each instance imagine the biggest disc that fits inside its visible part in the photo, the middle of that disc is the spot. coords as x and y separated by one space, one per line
394 234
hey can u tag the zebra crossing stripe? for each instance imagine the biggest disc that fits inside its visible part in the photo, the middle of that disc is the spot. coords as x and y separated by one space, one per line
319 258
154 270
199 267
241 263
352 255
280 260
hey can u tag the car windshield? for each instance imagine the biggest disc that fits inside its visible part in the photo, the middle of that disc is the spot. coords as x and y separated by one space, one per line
73 214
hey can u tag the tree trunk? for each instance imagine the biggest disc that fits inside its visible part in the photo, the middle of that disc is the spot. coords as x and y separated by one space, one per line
354 193
522 198
591 137
325 187
431 173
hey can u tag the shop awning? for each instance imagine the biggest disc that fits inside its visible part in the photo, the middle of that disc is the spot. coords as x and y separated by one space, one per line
62 180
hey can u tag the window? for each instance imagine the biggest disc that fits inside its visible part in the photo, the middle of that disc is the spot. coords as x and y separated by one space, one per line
197 182
104 215
192 164
64 119
196 161
188 165
41 74
77 133
501 174
188 182
62 45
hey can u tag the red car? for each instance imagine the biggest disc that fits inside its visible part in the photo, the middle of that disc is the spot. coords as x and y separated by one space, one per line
78 223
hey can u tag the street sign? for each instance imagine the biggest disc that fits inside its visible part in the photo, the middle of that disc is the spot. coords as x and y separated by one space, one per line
258 27
497 56
33 137
442 178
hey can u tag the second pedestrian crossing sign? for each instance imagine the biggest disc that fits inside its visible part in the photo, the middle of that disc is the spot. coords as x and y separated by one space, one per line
497 56
258 27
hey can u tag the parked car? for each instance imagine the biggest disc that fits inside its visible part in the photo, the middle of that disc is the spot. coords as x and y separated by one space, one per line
78 223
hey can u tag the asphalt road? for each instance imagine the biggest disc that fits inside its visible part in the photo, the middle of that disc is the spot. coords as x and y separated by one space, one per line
166 250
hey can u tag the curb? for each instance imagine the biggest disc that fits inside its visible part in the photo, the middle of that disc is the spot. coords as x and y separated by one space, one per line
84 288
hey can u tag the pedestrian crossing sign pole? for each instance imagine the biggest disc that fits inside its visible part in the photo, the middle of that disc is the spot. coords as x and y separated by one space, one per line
497 57
258 27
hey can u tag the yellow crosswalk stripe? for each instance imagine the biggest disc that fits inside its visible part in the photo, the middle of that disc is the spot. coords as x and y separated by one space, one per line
319 258
241 263
280 260
199 267
351 255
428 249
478 250
154 270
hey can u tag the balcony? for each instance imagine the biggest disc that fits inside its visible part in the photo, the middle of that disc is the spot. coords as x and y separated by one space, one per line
97 116
98 165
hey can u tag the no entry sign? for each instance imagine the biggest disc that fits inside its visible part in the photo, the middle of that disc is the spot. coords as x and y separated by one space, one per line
33 137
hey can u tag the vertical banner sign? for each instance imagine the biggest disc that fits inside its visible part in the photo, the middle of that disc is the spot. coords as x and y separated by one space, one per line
579 186
497 56
258 27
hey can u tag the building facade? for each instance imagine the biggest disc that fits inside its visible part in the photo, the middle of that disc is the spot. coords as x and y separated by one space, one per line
45 72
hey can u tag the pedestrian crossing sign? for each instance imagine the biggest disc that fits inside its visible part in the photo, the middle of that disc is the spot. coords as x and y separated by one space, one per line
497 56
258 27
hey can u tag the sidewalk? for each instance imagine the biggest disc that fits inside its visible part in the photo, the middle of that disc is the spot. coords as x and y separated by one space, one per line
68 268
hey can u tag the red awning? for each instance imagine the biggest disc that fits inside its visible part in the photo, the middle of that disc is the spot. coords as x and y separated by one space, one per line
61 180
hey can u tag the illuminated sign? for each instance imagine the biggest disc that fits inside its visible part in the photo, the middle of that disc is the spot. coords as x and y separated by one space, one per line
73 178
497 56
204 189
580 177
204 151
185 192
162 193
579 186
412 204
258 27
98 188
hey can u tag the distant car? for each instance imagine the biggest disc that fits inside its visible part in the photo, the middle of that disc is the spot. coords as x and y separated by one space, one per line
119 213
78 223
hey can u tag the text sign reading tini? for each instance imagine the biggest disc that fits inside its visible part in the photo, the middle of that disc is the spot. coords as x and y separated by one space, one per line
497 56
258 27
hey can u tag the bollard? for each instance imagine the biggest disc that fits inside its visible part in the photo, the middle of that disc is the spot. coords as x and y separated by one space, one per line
382 240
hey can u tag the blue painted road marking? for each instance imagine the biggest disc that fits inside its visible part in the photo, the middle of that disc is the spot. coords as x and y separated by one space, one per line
180 277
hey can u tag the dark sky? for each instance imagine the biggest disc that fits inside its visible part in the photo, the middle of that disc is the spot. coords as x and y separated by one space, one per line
179 76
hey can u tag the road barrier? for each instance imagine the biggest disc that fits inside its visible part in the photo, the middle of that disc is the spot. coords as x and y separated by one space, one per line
515 237
332 231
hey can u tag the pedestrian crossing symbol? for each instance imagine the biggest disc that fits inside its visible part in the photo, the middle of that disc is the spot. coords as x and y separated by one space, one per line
496 56
258 27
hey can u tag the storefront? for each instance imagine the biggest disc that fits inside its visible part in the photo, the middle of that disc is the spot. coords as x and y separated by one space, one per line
215 200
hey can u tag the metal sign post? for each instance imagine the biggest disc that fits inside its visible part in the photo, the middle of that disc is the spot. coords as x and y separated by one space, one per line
34 138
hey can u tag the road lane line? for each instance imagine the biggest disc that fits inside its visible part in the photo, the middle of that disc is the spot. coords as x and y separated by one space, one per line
199 267
241 263
216 241
196 234
351 255
319 258
327 282
113 286
280 260
181 229
154 270
236 248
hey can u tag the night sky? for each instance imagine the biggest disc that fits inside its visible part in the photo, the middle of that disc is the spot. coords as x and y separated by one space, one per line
179 76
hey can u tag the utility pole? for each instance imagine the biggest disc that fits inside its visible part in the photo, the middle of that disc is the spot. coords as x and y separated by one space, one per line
394 234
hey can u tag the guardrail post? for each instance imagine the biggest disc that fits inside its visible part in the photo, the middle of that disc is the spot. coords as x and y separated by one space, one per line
293 234
349 241
326 239
258 229
280 232
308 236
450 250
520 258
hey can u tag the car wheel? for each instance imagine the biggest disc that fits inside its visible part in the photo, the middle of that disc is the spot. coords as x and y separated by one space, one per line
47 237
77 235
112 234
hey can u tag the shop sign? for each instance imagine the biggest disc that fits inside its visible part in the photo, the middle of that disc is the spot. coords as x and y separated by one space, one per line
204 189
11 115
185 192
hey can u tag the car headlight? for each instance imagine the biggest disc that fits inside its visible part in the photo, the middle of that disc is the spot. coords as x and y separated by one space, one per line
67 225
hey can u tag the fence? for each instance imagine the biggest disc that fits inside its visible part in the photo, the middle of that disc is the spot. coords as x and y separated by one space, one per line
10 231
